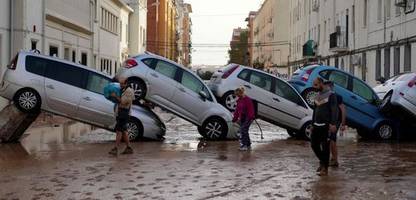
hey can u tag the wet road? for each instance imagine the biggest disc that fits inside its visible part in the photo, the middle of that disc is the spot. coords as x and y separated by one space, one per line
71 162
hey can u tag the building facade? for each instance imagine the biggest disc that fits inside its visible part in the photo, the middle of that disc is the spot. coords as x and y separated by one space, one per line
161 28
137 26
271 37
250 26
368 38
184 32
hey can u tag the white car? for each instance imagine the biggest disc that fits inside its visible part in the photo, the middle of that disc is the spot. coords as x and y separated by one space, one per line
398 91
180 91
276 101
72 90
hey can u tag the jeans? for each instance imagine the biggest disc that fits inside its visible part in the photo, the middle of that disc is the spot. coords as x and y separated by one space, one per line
244 135
320 144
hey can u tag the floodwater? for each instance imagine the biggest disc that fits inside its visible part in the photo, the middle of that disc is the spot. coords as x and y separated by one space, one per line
71 161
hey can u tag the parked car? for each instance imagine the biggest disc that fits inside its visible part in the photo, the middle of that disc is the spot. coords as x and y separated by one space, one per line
61 87
399 91
180 91
361 101
276 101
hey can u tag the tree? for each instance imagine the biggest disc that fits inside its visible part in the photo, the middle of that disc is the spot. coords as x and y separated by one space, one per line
239 50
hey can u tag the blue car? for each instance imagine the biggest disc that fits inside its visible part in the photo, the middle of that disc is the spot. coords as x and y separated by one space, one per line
360 100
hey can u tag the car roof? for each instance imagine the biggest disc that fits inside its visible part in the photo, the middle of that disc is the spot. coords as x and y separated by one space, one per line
261 71
30 53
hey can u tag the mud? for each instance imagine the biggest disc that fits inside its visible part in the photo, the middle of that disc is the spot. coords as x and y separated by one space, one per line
72 162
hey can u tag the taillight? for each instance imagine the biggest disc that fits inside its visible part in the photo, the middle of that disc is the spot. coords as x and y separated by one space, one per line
130 63
307 74
412 82
13 63
229 72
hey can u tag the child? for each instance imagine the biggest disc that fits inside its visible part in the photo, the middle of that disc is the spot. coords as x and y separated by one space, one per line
244 114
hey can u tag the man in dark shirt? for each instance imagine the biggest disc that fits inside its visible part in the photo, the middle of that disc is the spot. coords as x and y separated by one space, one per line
325 118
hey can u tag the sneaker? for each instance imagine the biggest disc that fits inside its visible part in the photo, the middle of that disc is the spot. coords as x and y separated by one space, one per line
323 172
243 148
114 151
128 150
334 163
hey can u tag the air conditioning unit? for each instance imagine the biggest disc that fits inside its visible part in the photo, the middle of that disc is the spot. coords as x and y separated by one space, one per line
400 3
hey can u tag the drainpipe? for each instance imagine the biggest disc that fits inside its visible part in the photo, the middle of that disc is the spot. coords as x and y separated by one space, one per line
11 29
43 26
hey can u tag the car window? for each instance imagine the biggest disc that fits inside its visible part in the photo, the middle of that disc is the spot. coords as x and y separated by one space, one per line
325 74
244 74
148 62
189 81
36 65
166 69
282 89
96 83
65 73
339 78
362 90
261 80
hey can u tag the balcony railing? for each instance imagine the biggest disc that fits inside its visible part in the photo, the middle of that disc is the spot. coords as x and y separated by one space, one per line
338 41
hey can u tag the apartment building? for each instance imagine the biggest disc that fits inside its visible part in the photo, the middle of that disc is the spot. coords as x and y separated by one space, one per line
368 38
137 26
271 36
184 32
250 26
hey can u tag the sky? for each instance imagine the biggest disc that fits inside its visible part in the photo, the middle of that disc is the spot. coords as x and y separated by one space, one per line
213 23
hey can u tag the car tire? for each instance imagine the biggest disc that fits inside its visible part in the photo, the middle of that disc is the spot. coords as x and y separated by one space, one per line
309 96
139 88
385 131
306 131
134 129
214 129
229 101
28 100
386 106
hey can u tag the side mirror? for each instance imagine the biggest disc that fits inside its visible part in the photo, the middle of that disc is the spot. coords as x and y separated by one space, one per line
203 95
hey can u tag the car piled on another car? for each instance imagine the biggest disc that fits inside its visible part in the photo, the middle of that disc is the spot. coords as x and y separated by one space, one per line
275 100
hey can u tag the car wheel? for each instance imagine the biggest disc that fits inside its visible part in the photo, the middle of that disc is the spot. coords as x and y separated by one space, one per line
134 129
214 129
309 96
306 131
27 100
385 131
229 101
385 106
139 88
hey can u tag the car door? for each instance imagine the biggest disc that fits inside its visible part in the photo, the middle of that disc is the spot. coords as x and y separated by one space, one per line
363 101
94 107
287 105
188 100
162 84
258 87
63 87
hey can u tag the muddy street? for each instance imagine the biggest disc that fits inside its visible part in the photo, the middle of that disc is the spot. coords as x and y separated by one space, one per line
70 161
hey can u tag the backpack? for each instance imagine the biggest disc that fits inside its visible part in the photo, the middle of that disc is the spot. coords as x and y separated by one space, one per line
112 88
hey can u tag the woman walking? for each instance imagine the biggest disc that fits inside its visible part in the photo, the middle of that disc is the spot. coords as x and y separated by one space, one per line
244 115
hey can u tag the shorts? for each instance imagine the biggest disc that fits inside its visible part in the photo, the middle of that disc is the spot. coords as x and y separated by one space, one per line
333 137
122 120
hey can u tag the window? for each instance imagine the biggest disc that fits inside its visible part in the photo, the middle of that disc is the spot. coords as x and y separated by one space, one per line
34 44
109 21
67 54
388 9
387 62
84 58
398 11
166 69
191 82
325 74
379 10
378 64
65 73
339 78
407 58
353 20
53 51
282 89
74 56
35 65
96 83
261 80
396 61
362 90
149 62
365 14
244 74
105 65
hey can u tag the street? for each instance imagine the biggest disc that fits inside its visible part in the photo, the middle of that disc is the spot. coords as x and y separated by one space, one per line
70 162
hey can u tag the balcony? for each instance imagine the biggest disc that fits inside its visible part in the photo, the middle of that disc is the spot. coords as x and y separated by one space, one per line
338 41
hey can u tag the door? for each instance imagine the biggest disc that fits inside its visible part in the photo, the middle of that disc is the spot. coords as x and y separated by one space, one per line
188 100
162 82
94 107
63 87
364 102
258 88
288 105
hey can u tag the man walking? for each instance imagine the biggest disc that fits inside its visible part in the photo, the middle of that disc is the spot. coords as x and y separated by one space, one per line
123 114
244 114
341 126
325 117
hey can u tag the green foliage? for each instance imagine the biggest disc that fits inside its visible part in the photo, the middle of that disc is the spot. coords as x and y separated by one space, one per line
239 50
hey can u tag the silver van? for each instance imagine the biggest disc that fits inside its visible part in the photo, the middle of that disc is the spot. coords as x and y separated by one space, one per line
34 82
